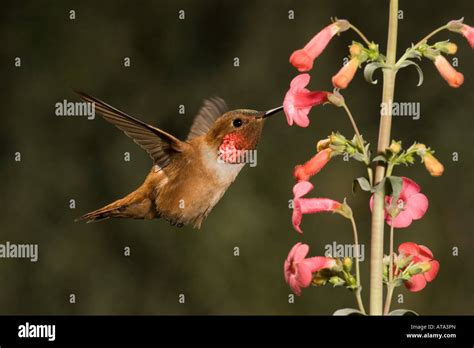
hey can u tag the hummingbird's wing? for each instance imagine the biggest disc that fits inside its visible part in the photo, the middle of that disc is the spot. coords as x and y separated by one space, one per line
209 112
159 144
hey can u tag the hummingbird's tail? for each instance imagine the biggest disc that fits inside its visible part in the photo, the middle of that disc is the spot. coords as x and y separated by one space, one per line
134 206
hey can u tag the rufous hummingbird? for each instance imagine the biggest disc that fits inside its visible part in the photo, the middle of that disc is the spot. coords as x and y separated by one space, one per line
189 177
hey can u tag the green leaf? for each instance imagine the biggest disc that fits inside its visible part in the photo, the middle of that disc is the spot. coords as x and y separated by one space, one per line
363 184
380 158
420 72
411 53
380 186
396 184
402 312
358 157
398 282
347 311
369 71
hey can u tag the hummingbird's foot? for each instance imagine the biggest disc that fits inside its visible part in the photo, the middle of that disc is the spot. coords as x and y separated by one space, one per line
175 223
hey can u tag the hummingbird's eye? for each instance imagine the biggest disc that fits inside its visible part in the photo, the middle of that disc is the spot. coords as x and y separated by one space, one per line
237 122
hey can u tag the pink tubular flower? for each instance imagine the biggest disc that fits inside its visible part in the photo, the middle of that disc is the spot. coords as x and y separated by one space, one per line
468 33
346 74
420 254
412 205
303 59
459 27
313 166
453 78
309 205
299 101
299 271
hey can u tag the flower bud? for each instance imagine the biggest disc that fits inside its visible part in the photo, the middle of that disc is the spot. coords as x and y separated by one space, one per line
346 74
451 48
395 147
444 47
337 139
336 281
434 167
323 144
356 50
319 279
351 281
337 267
347 264
454 78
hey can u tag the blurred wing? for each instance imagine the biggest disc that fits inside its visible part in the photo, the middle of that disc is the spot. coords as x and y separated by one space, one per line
209 112
159 144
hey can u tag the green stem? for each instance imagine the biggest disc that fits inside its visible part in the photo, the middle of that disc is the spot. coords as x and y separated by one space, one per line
389 169
419 43
377 226
390 285
362 36
359 289
361 142
354 125
390 267
371 175
390 289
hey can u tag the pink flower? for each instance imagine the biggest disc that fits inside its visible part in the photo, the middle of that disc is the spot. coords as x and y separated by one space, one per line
346 74
453 78
420 254
313 166
303 59
468 33
412 205
309 205
299 101
299 271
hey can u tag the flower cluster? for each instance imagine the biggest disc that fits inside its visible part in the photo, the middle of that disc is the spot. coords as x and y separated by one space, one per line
299 270
299 100
398 198
414 266
313 205
410 205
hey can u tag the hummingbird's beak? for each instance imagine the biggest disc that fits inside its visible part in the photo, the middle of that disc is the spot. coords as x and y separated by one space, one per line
272 111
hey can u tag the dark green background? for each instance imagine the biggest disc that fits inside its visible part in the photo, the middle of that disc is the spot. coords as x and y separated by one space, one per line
182 62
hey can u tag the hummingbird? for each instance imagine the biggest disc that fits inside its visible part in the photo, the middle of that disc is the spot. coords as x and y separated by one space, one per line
189 177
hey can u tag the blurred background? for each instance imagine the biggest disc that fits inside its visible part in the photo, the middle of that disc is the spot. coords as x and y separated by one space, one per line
176 62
